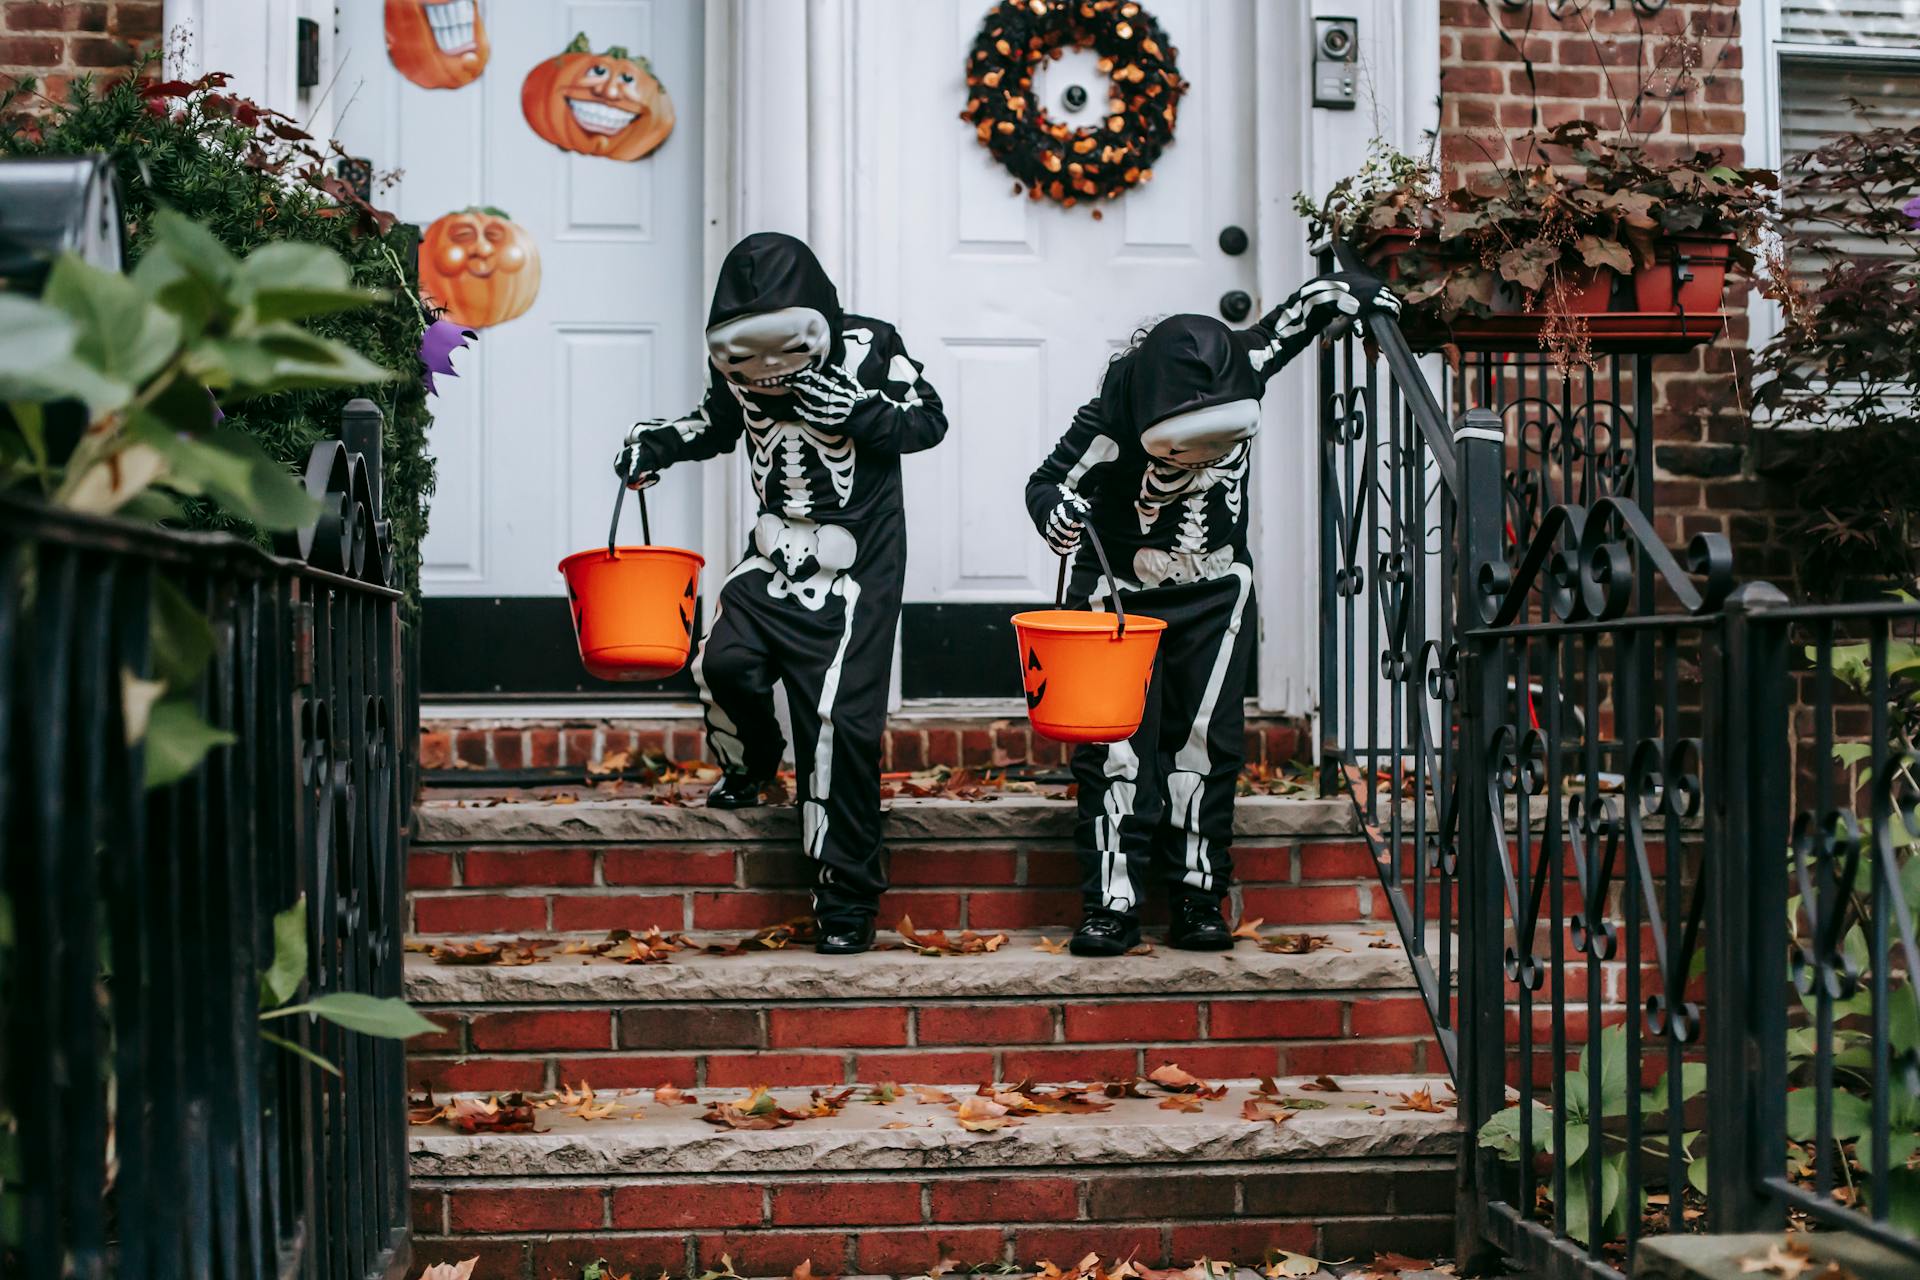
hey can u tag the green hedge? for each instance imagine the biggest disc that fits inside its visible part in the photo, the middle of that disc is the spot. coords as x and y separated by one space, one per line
252 177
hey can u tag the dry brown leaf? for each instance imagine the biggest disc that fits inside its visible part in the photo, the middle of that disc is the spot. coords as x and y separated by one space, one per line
1289 1265
1294 944
980 1113
757 1110
1788 1259
1323 1084
1172 1077
672 1096
1260 1110
902 1124
1249 928
1420 1099
509 1114
1181 1102
612 762
565 797
461 1270
926 1095
1051 947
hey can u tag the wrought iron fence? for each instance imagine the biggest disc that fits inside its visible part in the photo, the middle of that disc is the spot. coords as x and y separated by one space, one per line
156 1133
1578 757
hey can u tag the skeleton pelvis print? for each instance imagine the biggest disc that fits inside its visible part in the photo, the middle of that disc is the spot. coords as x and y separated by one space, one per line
805 557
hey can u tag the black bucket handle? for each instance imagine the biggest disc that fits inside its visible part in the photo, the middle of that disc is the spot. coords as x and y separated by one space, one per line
613 529
1113 587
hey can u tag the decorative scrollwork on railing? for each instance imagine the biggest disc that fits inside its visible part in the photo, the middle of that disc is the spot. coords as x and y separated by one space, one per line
348 537
1665 782
1582 561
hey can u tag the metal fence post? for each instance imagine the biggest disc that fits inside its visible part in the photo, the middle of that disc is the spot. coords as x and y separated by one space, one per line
1480 450
1747 995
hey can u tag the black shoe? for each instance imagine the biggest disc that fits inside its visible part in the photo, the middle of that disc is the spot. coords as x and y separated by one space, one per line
1197 925
1105 933
735 791
845 936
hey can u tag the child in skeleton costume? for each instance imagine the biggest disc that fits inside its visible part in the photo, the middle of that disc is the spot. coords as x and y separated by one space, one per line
1157 464
827 404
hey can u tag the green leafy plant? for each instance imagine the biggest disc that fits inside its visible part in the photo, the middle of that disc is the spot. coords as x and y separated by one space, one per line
252 178
1592 1140
382 1016
141 356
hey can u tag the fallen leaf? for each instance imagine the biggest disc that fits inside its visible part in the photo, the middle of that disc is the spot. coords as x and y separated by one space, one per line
1260 1110
509 1114
672 1096
1323 1084
565 797
1171 1077
1249 928
1294 944
1420 1099
805 1271
1291 1264
1787 1258
758 1110
881 1095
926 1095
462 1270
901 1124
1181 1102
612 762
1051 947
980 1113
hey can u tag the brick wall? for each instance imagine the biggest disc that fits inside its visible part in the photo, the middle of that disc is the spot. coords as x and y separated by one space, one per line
57 41
1590 65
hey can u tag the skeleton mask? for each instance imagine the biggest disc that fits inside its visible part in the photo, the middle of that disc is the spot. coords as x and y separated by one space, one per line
764 350
1200 437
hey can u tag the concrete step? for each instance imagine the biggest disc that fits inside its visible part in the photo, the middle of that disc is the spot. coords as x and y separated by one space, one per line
481 865
792 1017
892 1188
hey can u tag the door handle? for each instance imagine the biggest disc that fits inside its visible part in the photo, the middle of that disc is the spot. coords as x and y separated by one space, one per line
1236 305
1233 241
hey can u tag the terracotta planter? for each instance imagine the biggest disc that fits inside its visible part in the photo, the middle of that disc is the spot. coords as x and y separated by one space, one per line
1384 254
1702 260
1587 291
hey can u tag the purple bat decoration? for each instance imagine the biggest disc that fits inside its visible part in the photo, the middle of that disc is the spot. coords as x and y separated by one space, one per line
1912 209
437 345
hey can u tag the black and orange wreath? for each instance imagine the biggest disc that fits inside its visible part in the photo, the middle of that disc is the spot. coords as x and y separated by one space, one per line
1052 160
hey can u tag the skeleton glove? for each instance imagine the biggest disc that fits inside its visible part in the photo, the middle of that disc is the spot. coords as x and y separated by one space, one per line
1066 522
826 396
628 463
1345 299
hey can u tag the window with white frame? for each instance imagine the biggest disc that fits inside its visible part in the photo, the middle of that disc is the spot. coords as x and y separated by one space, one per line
1832 53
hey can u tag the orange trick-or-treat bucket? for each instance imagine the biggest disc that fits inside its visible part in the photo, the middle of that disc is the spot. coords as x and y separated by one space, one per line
633 607
1086 674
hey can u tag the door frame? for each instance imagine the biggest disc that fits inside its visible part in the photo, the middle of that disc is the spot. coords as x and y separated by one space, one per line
805 183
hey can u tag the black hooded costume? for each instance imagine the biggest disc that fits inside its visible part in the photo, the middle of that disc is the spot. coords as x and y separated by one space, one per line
815 601
1160 805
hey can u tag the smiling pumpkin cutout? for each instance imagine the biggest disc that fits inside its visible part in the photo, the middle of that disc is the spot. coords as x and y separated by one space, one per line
598 104
480 265
437 44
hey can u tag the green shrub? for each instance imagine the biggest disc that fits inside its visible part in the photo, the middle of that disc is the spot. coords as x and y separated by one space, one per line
252 177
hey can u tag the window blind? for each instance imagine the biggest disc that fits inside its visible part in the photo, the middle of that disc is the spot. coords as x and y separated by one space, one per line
1886 24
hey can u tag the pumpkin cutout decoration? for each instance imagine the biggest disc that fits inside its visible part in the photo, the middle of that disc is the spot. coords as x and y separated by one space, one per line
599 104
437 44
480 266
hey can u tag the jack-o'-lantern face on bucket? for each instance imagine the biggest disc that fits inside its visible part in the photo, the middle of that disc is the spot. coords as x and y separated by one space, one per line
480 265
437 44
598 104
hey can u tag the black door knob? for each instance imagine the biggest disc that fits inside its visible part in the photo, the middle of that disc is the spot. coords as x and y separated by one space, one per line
1233 241
1236 305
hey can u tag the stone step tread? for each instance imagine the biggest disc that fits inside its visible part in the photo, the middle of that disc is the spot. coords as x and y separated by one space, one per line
1017 970
1015 816
1136 1131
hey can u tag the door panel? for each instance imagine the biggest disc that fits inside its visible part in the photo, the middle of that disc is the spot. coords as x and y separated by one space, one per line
1015 306
525 436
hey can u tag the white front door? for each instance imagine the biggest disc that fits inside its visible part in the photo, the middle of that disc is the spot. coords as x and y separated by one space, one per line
1015 306
525 437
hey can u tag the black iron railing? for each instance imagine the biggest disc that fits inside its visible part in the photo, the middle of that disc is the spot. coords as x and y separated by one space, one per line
155 1132
1643 834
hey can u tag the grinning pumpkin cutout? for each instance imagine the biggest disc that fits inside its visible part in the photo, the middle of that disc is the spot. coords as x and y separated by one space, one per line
598 104
437 44
480 265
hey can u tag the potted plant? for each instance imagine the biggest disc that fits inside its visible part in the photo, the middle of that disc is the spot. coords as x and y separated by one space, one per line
1686 220
1537 241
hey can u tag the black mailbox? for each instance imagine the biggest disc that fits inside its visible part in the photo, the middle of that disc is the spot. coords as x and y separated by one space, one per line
50 205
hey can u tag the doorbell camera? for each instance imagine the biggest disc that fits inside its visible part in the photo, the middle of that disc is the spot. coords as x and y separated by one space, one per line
1336 51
